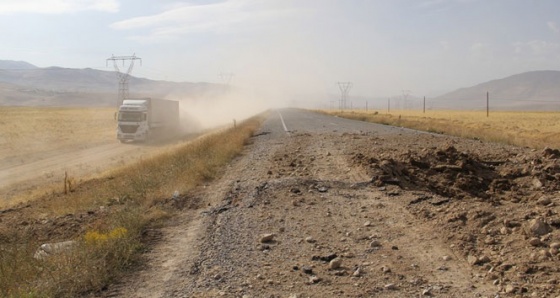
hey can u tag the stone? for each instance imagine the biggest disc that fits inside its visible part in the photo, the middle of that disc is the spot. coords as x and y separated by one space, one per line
48 249
555 245
385 269
309 239
537 183
472 260
307 270
335 264
314 279
510 289
267 238
544 253
390 287
483 260
375 244
446 258
367 224
535 241
427 292
543 201
357 272
537 227
504 231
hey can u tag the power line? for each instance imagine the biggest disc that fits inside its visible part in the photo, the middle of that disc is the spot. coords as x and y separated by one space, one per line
123 76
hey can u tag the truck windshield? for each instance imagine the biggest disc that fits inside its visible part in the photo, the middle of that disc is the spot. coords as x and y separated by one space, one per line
131 116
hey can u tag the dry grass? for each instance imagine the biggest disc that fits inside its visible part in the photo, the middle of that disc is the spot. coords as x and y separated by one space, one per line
132 197
25 130
530 129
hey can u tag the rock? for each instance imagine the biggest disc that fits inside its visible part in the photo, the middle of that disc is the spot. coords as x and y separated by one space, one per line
267 238
390 287
367 224
544 253
322 189
309 239
536 183
375 244
553 251
314 279
544 201
537 227
555 245
535 241
295 190
427 292
293 295
335 264
446 258
483 260
307 270
48 249
504 231
472 260
357 272
510 289
325 259
385 269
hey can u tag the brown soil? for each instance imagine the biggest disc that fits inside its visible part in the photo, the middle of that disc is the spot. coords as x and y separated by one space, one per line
406 215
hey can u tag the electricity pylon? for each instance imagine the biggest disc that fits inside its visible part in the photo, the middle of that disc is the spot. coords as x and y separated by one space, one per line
123 76
405 94
344 91
226 77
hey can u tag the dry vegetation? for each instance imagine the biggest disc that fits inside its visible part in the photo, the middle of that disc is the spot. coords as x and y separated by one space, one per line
105 216
25 130
530 129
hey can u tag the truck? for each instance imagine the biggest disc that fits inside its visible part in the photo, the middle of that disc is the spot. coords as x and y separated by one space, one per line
142 119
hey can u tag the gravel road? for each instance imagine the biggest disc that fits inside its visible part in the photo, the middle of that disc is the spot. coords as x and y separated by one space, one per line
319 206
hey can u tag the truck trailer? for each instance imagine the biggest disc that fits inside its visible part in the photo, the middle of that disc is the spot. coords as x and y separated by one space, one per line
142 119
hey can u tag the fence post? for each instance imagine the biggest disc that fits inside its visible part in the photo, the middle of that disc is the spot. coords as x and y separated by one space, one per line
487 104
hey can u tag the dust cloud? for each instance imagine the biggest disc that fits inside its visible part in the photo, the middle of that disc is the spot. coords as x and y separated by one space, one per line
211 111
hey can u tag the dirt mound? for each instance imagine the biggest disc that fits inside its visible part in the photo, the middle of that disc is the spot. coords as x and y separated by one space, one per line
459 174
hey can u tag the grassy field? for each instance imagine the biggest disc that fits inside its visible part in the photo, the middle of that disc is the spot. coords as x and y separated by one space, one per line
26 130
132 198
530 129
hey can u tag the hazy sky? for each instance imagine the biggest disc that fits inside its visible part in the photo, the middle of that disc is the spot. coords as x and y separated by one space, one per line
304 46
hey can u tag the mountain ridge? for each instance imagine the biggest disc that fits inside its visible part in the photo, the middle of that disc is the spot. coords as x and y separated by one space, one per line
76 87
530 90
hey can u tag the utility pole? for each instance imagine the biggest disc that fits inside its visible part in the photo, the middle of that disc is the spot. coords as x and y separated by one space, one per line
487 104
424 109
123 76
344 91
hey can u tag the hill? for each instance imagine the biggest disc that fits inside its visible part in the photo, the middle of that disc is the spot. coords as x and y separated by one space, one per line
10 64
535 90
23 84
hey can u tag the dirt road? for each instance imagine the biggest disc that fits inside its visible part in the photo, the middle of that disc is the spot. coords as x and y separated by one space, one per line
319 206
23 174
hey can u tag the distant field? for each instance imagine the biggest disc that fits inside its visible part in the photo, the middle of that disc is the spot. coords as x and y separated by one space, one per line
26 130
531 129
